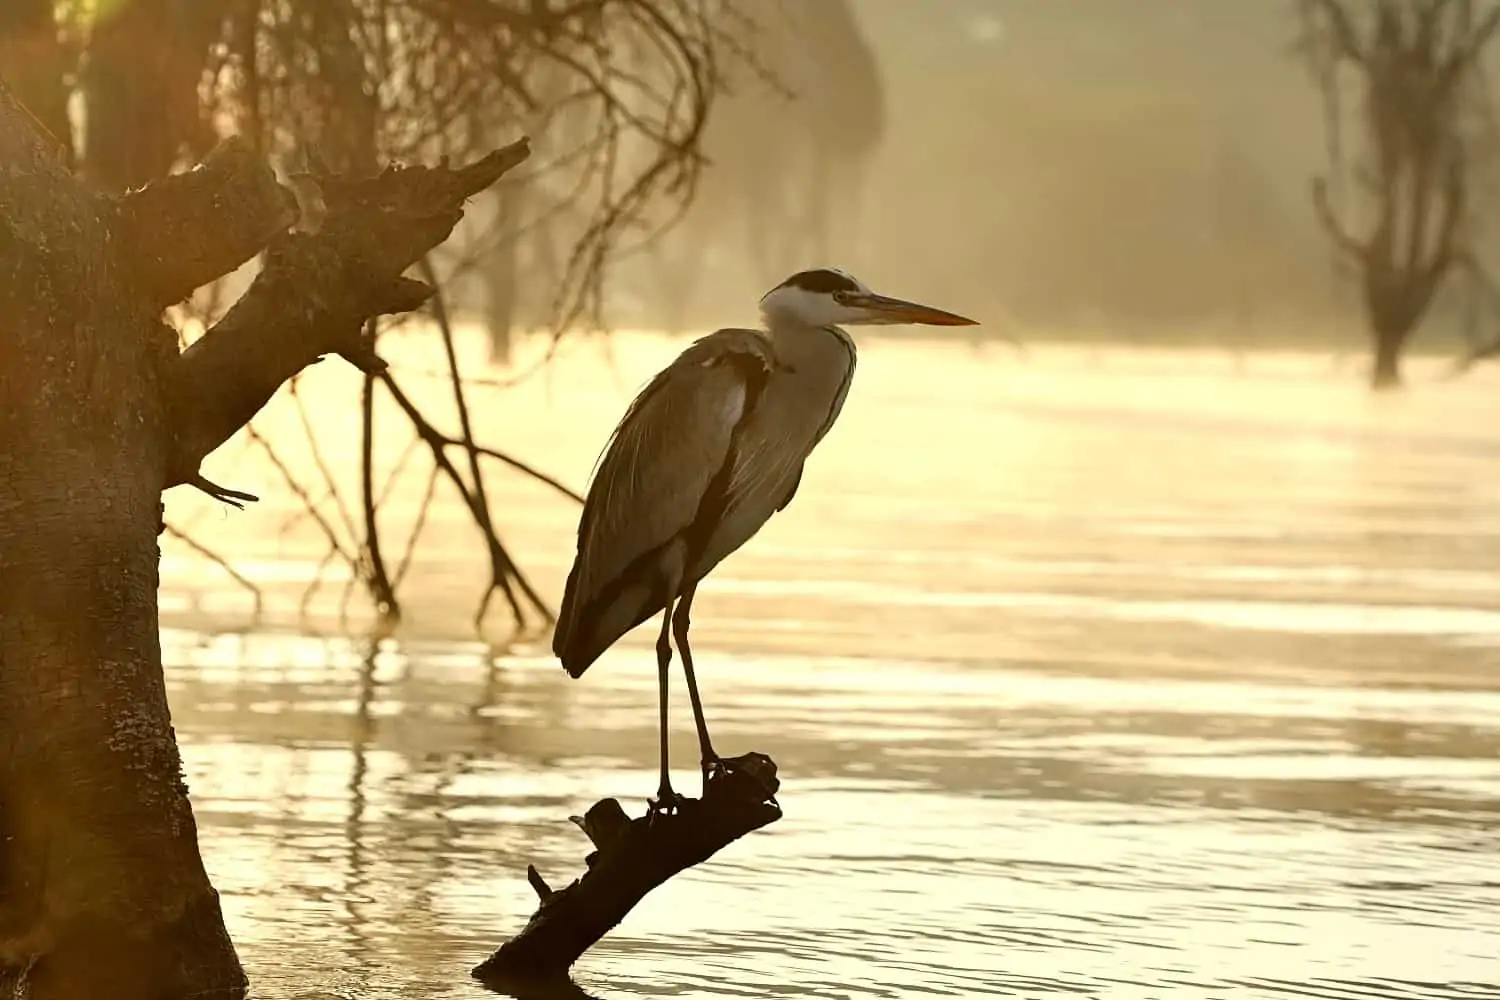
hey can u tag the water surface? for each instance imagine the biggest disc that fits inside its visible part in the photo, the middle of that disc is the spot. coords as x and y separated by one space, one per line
1119 676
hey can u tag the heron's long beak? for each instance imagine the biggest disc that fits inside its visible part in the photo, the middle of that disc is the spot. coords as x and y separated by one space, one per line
885 309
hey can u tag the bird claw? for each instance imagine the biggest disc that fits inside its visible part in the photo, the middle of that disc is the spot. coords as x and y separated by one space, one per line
751 767
715 766
666 803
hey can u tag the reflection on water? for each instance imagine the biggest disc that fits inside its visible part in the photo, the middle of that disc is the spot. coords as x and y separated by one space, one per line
1124 681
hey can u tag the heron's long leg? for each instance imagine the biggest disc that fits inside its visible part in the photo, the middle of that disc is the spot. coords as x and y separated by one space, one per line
681 620
664 794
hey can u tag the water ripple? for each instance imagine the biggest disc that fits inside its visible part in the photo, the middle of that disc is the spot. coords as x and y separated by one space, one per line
1133 690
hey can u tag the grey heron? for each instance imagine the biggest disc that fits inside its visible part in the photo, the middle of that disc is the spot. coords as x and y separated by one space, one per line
705 454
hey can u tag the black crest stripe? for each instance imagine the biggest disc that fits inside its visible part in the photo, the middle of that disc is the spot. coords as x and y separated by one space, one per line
821 280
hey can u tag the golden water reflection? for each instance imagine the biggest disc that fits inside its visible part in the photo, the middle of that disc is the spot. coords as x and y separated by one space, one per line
1124 679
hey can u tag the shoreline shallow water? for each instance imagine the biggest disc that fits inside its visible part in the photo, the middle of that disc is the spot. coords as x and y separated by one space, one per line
1139 681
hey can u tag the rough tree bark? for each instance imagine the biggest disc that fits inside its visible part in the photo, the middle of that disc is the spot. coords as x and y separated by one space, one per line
102 891
1415 60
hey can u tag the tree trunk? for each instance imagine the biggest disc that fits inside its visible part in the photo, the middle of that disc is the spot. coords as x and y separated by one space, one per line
102 891
1389 340
140 86
499 275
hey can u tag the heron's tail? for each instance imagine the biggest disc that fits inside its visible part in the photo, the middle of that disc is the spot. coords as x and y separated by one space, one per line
588 624
569 644
576 656
576 660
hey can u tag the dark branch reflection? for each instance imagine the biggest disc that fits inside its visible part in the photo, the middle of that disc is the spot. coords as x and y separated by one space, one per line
546 989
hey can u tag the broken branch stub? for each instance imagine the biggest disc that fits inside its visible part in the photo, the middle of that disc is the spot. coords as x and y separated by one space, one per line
184 231
631 857
315 292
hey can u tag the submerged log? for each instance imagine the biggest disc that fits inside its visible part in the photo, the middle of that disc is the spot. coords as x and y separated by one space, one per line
631 857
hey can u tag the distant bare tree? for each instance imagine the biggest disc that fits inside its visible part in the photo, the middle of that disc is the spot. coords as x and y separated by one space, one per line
1415 64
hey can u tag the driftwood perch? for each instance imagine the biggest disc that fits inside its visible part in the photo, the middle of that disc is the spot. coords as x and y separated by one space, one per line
632 857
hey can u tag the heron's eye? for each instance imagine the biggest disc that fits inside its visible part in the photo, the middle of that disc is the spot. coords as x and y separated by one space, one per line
842 298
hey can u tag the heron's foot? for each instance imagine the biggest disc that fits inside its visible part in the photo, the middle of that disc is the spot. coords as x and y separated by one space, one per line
756 769
666 803
715 766
711 765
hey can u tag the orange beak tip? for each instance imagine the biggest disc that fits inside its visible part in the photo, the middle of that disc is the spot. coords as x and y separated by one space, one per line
950 319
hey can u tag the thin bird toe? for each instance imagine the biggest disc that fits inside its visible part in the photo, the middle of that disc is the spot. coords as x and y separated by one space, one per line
669 804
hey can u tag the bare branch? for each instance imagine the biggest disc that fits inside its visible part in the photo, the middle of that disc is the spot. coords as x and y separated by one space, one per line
377 578
502 568
1341 237
1345 39
505 572
1448 242
519 466
617 92
1469 51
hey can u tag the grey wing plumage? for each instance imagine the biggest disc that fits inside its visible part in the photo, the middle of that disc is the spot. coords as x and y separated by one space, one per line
770 451
769 462
649 485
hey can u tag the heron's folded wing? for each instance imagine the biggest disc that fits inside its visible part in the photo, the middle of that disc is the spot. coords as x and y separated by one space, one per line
767 464
769 455
672 441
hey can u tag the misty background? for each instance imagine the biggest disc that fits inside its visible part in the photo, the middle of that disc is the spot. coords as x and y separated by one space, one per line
1093 169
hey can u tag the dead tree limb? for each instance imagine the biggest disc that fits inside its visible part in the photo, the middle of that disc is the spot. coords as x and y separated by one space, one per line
183 231
631 857
1331 224
505 576
314 294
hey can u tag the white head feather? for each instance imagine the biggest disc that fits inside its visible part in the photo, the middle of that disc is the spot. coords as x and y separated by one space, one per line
807 298
829 297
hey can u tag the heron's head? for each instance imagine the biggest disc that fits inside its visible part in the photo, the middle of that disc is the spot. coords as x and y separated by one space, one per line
828 297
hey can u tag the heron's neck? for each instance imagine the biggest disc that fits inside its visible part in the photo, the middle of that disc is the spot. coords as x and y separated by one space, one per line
806 343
